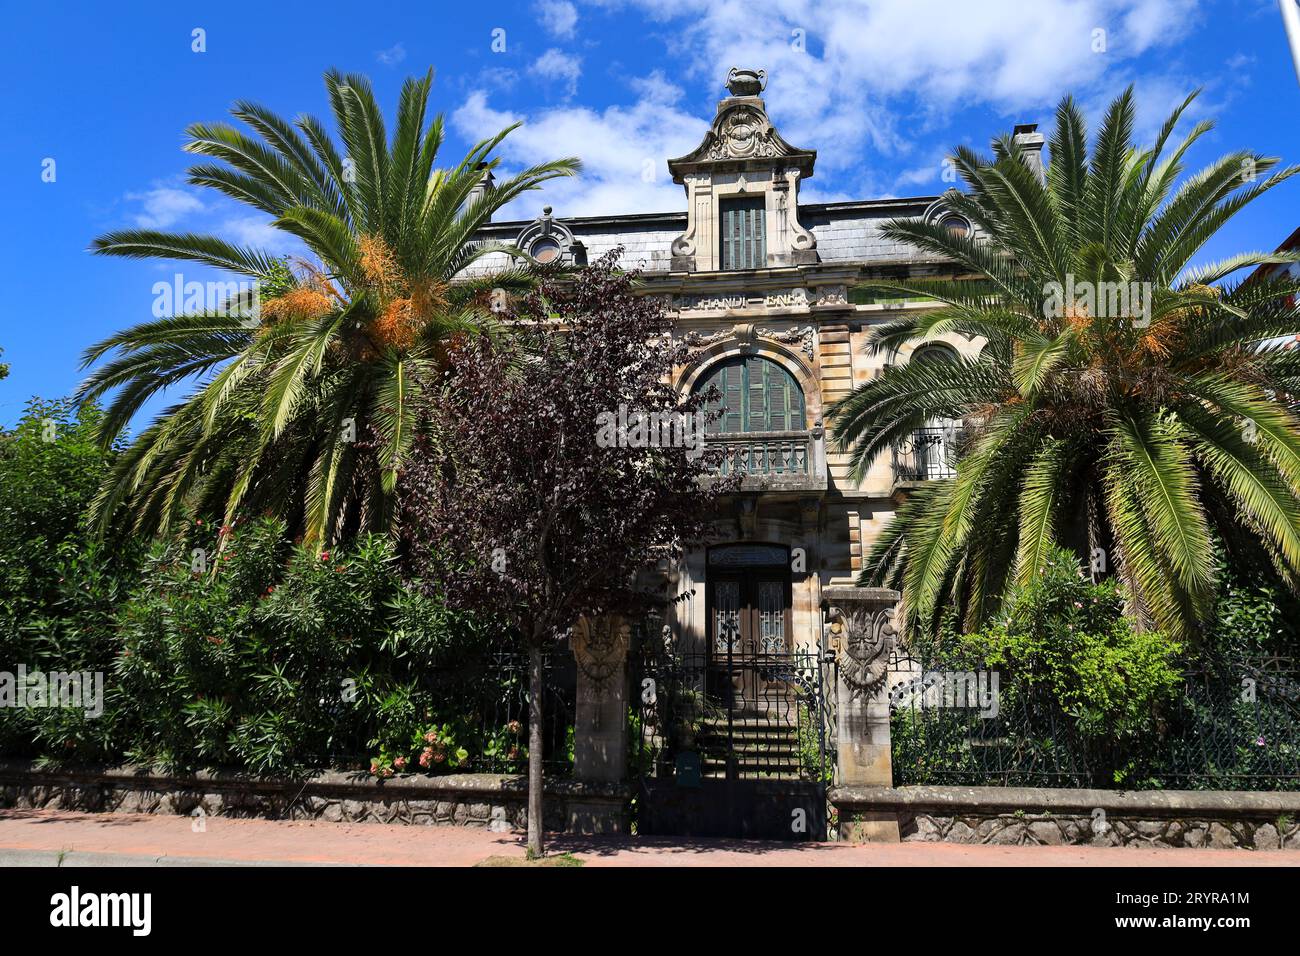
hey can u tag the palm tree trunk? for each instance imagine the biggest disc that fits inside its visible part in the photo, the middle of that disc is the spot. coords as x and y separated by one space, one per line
535 848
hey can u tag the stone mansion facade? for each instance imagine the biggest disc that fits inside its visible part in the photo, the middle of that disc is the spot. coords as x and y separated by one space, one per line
761 286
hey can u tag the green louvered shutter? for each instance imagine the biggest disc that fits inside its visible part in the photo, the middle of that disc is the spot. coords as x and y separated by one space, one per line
729 381
759 396
744 242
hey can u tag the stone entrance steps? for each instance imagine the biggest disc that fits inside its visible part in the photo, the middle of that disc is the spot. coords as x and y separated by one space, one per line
763 746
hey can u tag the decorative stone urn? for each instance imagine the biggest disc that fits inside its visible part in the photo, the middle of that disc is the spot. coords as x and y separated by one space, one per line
860 632
746 82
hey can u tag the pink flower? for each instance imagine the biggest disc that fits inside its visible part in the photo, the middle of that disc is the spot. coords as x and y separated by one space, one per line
399 763
324 555
431 736
1260 742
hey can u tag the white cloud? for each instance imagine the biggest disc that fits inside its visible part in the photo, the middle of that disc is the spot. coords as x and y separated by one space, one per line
168 207
558 66
256 231
624 150
558 17
163 206
871 73
394 55
656 88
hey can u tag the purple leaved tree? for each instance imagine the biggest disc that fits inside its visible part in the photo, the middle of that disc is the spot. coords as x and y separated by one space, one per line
549 472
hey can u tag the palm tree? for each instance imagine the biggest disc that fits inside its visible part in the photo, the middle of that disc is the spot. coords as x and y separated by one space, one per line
1138 436
306 407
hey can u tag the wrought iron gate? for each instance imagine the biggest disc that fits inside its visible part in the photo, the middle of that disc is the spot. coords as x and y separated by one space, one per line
731 744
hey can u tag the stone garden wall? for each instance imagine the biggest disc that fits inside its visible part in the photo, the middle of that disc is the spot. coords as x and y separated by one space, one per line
495 801
1059 817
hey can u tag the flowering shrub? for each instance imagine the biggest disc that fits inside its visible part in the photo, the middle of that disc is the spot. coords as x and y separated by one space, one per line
239 650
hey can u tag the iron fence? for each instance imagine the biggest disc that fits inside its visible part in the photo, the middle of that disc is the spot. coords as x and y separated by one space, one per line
1233 725
760 716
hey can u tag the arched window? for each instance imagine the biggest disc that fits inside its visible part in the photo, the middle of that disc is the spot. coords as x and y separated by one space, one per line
758 395
932 450
935 352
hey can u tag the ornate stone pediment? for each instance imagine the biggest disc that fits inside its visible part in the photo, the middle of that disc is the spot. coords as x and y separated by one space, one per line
742 136
747 335
743 157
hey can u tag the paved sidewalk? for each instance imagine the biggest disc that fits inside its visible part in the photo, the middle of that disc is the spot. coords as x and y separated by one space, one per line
53 837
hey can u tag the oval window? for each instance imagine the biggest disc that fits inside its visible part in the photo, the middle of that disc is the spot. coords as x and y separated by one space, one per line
545 249
956 225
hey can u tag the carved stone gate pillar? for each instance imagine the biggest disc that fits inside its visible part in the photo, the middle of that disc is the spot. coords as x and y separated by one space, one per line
862 635
599 803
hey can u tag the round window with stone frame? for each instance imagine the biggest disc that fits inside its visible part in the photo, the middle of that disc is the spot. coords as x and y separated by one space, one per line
956 225
544 250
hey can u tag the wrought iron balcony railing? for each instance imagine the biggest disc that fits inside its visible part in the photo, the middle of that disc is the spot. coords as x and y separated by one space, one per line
929 453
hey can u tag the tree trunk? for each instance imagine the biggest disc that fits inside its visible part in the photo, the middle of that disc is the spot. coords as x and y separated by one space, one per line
535 848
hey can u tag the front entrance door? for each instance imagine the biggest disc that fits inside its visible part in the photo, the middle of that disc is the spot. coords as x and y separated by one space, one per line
751 613
749 620
749 713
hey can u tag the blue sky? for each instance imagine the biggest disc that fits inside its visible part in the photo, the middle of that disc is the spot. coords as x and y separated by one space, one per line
880 89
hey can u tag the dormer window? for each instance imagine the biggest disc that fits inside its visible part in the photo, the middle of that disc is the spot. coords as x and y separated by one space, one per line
742 190
546 240
744 239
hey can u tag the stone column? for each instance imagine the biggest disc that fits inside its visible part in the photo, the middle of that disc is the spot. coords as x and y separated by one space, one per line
600 647
862 636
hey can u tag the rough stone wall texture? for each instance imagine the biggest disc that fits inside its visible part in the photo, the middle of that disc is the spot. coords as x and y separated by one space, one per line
1074 830
479 800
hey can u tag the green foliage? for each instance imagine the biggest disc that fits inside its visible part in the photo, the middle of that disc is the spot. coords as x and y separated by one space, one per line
50 467
274 666
1067 637
1085 700
1143 427
58 588
306 407
236 650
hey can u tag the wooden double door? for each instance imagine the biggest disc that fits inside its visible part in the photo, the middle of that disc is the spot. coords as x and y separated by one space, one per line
749 613
750 624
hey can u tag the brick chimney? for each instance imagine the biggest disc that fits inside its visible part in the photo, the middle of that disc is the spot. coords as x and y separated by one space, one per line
485 183
1030 141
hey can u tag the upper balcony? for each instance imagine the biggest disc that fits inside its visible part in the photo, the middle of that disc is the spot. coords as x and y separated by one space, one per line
773 460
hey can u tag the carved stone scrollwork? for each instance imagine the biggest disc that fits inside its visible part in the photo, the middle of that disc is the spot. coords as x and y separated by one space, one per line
696 341
600 648
862 638
802 337
832 295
